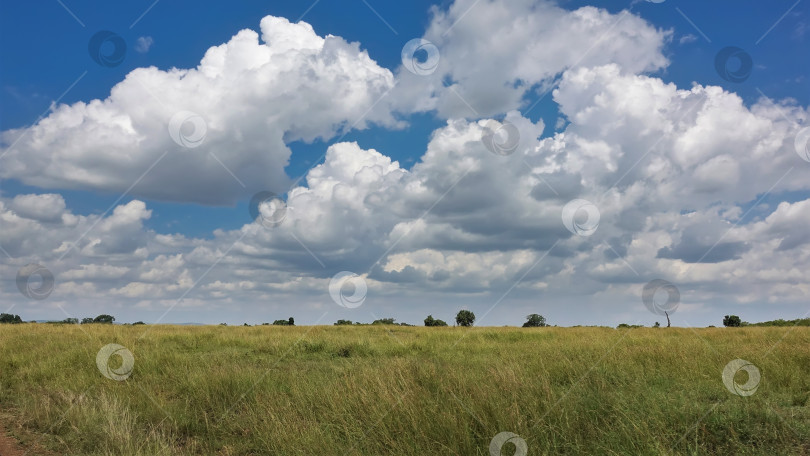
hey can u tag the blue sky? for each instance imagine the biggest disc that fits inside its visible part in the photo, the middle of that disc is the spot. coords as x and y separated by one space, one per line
40 68
45 56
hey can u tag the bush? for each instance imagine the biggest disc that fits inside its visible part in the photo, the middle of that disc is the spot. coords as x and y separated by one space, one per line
383 321
104 318
781 322
430 321
731 321
289 322
9 318
535 321
465 318
343 322
87 320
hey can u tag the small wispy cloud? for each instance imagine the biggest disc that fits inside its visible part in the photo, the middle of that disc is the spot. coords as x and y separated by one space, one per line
686 39
143 44
801 30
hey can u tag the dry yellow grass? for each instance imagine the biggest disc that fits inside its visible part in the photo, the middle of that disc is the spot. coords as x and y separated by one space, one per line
405 390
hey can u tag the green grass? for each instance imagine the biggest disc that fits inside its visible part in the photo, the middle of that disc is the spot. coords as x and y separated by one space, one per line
405 390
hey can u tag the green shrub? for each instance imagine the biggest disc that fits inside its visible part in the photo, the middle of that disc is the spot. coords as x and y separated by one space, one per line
430 321
535 321
9 318
104 318
465 318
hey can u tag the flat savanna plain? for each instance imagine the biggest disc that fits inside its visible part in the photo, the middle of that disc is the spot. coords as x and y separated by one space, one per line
367 390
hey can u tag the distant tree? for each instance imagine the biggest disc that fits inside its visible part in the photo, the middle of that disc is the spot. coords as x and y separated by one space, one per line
291 321
87 320
223 324
246 324
343 322
404 324
657 325
430 321
535 321
282 323
383 321
731 320
138 323
626 326
9 318
104 318
71 321
780 322
465 318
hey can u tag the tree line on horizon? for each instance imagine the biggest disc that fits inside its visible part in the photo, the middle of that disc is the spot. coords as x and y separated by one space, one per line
463 318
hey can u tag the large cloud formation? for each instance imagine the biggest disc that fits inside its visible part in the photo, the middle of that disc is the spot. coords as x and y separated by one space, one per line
179 128
684 179
492 54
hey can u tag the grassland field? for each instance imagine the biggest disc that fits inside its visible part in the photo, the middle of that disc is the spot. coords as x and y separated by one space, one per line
374 390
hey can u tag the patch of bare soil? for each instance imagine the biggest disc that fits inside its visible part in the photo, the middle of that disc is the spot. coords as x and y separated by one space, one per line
10 446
